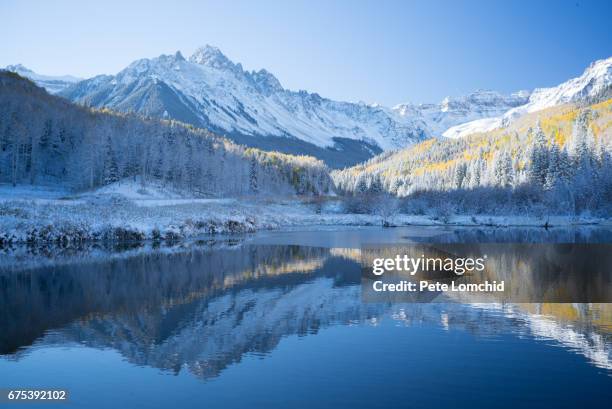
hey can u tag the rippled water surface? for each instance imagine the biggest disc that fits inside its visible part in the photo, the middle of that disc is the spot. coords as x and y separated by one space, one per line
276 320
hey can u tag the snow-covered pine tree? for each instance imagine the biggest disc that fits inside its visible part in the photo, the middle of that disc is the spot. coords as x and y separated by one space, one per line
553 173
111 170
253 179
460 175
538 158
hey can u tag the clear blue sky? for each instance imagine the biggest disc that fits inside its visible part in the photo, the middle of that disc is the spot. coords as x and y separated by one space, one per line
376 51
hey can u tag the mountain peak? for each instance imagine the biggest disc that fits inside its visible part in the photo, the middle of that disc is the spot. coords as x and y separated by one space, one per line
211 56
600 66
265 81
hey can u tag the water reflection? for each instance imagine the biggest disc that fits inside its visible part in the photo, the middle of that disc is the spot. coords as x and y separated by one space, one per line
203 306
530 272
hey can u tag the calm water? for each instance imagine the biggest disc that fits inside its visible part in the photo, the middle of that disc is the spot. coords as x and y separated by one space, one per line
276 320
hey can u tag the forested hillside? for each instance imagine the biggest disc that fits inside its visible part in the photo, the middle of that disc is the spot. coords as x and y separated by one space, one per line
556 160
46 140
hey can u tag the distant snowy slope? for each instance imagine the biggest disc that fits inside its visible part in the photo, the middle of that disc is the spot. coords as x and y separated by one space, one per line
53 84
478 125
595 80
595 83
452 111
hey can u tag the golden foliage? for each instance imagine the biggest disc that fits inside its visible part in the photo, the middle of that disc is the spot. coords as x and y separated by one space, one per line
556 123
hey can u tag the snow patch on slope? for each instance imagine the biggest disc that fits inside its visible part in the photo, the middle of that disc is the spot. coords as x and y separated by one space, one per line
479 125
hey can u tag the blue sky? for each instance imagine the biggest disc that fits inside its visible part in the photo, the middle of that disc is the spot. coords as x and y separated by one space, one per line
376 51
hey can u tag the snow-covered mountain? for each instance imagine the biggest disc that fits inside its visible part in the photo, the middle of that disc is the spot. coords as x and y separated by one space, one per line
53 84
595 83
209 90
251 107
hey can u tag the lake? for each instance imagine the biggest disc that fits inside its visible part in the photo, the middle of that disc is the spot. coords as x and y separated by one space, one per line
277 320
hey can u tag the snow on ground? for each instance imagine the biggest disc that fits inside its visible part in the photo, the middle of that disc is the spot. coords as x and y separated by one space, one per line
126 211
28 192
133 189
152 194
468 128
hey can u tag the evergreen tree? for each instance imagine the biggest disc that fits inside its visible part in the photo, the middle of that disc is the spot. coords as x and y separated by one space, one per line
553 173
460 174
361 187
538 157
376 185
111 170
253 182
504 174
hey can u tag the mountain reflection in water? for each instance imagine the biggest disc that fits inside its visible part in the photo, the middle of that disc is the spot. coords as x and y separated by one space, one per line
204 306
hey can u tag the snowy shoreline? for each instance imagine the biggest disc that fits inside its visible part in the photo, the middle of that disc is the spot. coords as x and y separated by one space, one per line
46 216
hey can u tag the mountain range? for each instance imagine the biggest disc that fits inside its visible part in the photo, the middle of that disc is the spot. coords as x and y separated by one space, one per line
210 91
